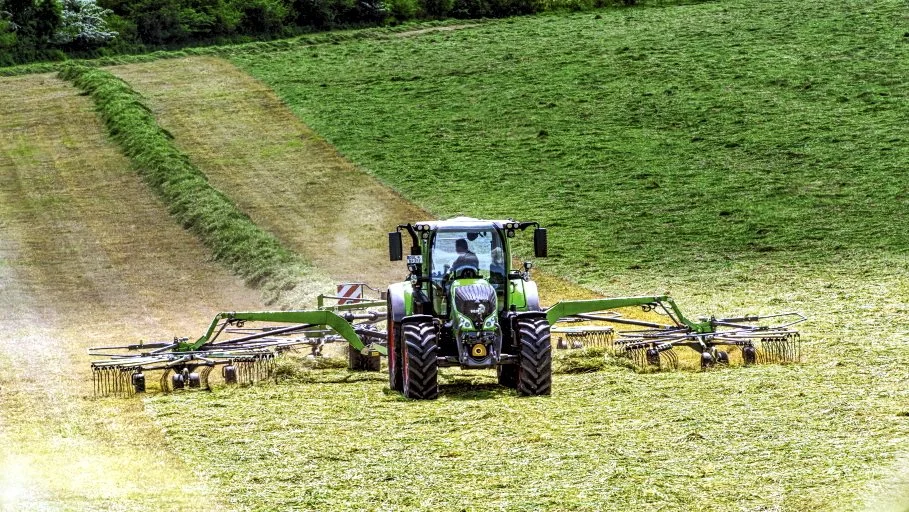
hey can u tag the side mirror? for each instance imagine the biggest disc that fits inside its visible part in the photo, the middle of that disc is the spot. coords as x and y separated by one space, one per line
395 250
539 243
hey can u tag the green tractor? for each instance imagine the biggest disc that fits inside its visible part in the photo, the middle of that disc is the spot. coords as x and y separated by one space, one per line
463 305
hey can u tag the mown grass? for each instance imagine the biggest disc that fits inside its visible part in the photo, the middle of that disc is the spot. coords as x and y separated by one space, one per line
745 156
647 139
252 253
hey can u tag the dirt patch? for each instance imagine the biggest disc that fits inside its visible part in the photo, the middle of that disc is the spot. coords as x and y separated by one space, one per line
88 256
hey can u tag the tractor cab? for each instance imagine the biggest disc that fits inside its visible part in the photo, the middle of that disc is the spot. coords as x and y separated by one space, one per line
462 304
462 257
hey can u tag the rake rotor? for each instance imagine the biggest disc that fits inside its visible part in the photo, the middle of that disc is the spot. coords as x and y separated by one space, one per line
655 345
244 355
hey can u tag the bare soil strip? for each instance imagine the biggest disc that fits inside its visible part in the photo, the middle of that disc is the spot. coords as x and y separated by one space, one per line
88 256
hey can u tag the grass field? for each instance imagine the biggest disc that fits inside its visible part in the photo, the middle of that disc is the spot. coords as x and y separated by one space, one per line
88 256
747 157
652 140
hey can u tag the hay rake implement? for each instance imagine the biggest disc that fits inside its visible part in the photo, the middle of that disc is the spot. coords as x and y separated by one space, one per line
464 304
654 344
242 347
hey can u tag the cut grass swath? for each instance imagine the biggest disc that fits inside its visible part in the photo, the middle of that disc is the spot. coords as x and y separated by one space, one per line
233 238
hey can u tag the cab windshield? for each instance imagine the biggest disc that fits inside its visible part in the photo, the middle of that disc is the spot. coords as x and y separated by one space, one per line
466 254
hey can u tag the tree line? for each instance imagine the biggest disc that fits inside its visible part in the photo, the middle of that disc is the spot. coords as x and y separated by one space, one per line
36 30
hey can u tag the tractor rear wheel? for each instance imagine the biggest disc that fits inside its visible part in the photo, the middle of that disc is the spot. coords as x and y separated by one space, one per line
395 362
508 375
421 367
535 363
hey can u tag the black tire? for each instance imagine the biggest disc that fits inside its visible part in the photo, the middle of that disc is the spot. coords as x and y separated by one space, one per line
395 362
421 368
359 363
535 363
508 375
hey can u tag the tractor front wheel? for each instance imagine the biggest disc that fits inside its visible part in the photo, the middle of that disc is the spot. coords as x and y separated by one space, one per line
421 367
535 364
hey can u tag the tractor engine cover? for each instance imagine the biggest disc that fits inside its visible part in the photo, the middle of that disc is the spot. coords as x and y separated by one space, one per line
481 348
476 302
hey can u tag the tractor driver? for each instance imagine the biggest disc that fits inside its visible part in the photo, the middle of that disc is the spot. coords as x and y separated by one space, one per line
465 259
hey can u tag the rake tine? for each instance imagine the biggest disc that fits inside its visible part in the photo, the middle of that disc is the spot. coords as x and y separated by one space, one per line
203 376
671 358
165 386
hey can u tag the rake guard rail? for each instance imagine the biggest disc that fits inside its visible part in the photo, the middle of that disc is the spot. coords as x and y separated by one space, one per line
326 318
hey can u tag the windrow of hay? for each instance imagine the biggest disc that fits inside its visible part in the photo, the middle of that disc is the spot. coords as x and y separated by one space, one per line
250 252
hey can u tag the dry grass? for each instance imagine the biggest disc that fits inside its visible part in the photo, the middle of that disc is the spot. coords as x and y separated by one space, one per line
88 256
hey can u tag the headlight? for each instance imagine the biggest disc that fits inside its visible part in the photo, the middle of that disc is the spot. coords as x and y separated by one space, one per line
490 322
465 323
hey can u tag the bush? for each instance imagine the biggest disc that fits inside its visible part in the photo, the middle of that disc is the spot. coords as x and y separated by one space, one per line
402 10
261 16
84 25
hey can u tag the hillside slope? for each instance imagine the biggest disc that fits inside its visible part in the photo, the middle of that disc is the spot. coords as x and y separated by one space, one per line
287 178
657 140
88 256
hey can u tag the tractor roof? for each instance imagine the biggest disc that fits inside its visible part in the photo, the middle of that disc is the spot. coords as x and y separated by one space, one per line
464 223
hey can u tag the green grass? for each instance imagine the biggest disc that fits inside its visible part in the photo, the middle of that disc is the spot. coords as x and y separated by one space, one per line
768 438
676 138
747 156
233 238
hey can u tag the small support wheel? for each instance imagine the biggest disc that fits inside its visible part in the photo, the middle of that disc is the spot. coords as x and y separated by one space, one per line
421 366
508 375
229 373
707 359
177 381
749 354
535 359
358 362
194 380
138 381
653 357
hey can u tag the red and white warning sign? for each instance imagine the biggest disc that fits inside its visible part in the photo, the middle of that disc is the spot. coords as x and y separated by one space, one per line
350 293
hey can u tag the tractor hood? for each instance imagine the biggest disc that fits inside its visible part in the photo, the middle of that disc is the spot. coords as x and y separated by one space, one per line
476 326
475 301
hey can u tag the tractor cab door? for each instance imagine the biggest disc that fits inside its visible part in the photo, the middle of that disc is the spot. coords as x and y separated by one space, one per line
466 254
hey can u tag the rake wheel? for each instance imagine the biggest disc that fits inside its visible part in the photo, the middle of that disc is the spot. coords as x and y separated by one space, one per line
535 359
362 363
421 366
507 375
